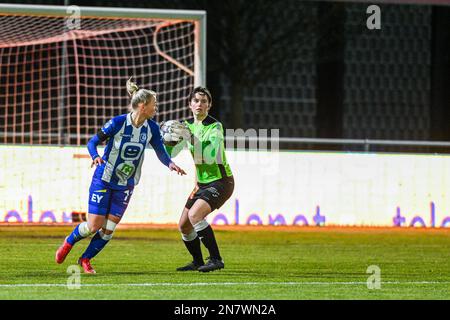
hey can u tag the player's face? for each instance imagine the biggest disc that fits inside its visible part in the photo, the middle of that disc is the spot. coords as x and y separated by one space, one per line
150 109
200 105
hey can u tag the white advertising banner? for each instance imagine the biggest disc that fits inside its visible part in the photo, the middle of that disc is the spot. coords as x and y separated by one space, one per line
47 184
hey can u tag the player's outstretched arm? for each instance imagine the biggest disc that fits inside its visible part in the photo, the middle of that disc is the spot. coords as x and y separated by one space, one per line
161 153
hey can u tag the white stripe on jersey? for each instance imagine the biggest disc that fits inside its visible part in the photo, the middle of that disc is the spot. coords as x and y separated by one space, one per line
137 175
113 155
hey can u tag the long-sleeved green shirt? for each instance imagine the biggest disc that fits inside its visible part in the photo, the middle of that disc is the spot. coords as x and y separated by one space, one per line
207 150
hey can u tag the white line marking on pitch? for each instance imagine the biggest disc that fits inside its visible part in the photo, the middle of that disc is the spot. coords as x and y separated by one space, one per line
199 284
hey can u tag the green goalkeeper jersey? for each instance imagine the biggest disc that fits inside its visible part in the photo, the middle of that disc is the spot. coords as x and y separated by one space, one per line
207 150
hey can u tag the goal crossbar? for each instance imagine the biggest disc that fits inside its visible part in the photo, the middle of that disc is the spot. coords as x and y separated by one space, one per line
198 16
67 81
105 12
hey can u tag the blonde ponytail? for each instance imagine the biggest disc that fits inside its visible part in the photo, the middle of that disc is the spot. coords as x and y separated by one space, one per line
139 95
132 87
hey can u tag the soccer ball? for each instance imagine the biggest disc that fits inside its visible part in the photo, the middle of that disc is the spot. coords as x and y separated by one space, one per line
173 132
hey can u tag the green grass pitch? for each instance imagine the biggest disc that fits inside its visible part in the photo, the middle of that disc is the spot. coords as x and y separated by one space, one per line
260 263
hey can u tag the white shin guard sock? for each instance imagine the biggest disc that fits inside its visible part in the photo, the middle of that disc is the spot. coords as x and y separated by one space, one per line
83 229
104 236
201 225
189 237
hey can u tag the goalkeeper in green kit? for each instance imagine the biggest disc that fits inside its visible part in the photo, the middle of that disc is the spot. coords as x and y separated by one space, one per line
205 138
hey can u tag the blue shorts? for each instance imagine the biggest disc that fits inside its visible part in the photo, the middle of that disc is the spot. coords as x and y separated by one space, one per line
104 200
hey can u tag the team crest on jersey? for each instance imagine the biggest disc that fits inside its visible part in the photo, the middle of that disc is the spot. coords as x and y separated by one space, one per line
143 137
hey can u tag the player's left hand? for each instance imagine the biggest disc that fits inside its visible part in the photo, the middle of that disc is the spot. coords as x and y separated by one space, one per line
174 167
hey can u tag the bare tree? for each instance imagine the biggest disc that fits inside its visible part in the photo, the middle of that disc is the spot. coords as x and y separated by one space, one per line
254 40
249 41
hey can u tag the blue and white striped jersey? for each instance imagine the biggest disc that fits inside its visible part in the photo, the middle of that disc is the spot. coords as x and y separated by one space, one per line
124 152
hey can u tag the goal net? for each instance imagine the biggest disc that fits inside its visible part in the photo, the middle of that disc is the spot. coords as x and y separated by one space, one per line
64 69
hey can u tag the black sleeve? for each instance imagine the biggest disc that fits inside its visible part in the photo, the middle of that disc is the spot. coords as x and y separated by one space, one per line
102 136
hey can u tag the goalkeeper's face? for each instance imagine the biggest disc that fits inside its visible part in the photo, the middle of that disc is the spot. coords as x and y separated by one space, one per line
200 105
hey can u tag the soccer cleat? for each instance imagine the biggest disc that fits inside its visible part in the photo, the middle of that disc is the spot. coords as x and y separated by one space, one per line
192 266
86 264
63 251
211 265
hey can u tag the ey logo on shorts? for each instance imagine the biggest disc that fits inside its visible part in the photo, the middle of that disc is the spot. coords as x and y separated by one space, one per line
97 198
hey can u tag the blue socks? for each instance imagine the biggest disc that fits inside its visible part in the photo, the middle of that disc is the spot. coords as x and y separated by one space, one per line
80 232
98 242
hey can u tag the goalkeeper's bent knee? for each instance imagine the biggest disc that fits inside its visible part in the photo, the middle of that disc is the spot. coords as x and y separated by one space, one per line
201 225
189 237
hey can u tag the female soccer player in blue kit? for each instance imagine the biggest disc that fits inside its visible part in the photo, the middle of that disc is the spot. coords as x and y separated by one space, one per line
117 172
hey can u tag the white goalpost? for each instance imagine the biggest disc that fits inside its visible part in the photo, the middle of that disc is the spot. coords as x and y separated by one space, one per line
64 69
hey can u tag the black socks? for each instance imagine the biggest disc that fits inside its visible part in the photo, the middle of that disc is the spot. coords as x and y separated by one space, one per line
195 250
209 240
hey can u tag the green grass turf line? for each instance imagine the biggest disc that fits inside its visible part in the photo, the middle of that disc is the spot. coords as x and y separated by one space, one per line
304 263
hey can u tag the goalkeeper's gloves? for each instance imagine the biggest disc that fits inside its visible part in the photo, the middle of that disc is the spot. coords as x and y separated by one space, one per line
182 131
175 133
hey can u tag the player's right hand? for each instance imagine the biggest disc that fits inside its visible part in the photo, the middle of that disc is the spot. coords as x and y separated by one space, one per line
97 162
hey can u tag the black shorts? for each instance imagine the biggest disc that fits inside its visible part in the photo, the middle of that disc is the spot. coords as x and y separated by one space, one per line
215 193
